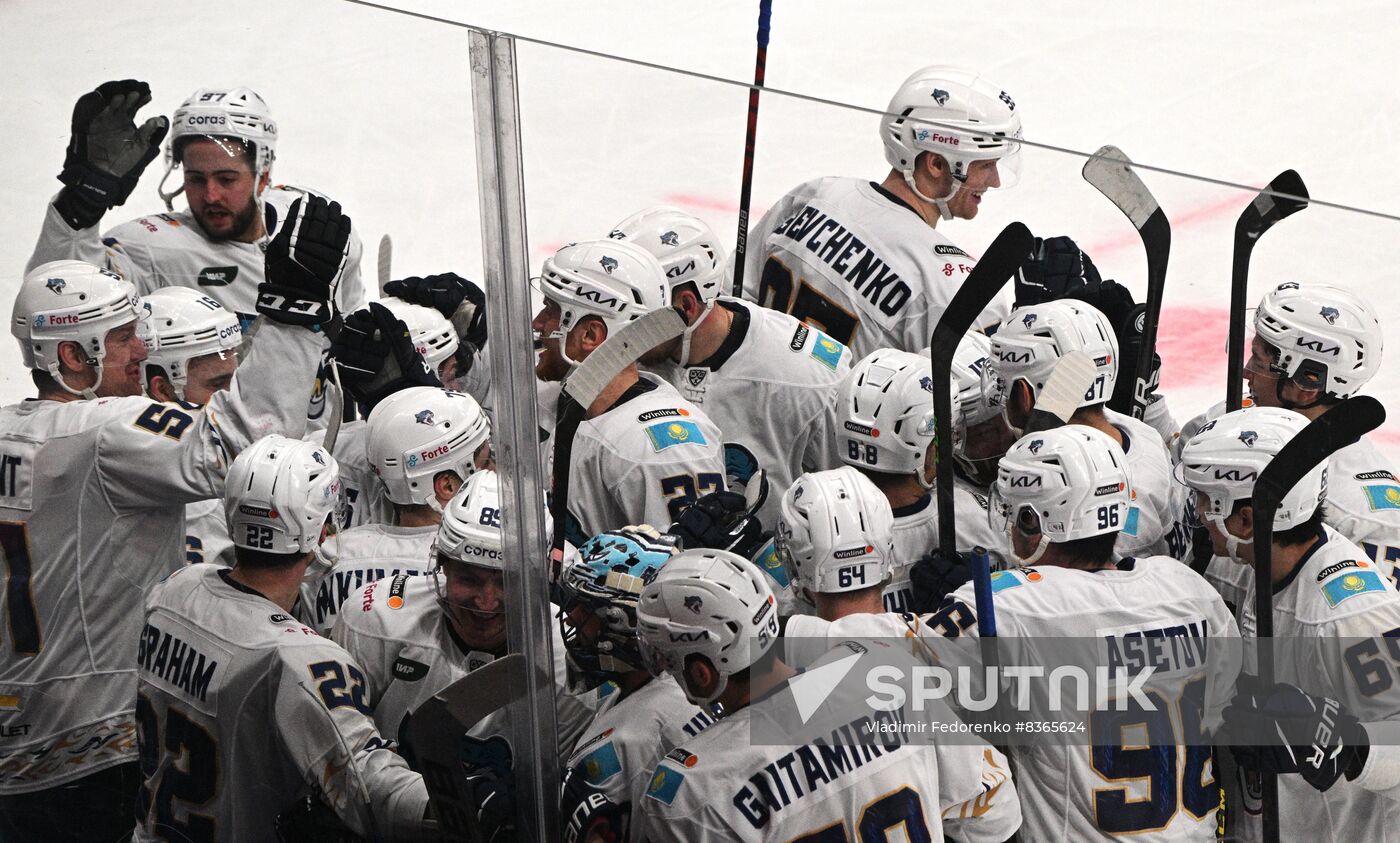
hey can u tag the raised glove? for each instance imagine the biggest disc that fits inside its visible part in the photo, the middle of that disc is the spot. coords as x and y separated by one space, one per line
935 576
720 521
304 262
377 356
1055 268
451 295
1324 741
107 151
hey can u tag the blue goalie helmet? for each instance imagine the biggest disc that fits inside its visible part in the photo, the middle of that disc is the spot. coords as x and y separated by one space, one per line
604 581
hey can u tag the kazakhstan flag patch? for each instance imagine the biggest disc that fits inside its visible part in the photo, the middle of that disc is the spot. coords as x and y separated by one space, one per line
601 764
666 434
1383 497
768 561
1340 588
1002 580
665 783
827 351
1130 526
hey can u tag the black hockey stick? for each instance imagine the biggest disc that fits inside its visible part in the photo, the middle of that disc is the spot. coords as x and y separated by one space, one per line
581 388
1335 429
996 266
1286 195
1111 172
741 242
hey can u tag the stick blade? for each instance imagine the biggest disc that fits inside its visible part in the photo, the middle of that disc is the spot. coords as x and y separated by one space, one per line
1284 196
1070 380
1111 172
386 260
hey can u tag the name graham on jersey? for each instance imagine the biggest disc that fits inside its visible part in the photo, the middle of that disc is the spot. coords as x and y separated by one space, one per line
801 772
176 663
836 247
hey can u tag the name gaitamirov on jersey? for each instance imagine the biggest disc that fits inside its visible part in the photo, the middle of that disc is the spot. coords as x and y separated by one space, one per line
870 275
179 665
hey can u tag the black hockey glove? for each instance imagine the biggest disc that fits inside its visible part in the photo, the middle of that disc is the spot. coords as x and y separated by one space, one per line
107 151
1055 268
377 357
310 820
488 770
451 295
588 813
1324 740
1128 320
934 576
720 521
304 262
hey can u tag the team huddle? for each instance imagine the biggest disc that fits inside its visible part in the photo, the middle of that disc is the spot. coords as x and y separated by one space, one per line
228 590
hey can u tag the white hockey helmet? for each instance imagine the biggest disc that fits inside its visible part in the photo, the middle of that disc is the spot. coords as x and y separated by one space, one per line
1069 483
185 324
1325 336
886 419
71 301
416 433
613 280
956 114
973 353
687 248
470 531
221 113
281 494
1224 459
835 530
1033 339
431 332
709 603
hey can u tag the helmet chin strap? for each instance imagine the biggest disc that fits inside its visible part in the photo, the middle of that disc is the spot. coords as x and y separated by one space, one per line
1233 543
1035 556
941 204
90 392
689 332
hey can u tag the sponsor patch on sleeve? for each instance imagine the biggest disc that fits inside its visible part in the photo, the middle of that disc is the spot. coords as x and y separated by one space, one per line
601 764
1351 584
942 249
666 434
1382 496
827 351
665 783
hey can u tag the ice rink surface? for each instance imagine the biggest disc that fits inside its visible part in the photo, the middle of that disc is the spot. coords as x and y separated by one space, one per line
374 109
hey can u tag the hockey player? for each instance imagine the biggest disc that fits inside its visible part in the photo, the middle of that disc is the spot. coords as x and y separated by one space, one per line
1062 496
642 452
1313 346
415 636
861 260
422 443
645 717
92 502
463 305
239 706
766 379
886 430
224 142
1326 596
1025 350
835 534
191 353
709 620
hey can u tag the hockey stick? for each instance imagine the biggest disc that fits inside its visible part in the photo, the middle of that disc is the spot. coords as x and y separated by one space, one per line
741 242
1286 195
997 265
1111 172
1335 429
1070 380
581 388
386 259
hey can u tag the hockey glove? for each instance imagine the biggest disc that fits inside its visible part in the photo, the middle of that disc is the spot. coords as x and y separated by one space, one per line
107 151
1324 741
1128 320
487 763
1055 268
720 521
451 295
588 813
377 357
934 576
304 262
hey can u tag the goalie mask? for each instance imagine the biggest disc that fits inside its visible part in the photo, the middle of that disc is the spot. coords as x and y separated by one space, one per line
835 531
708 603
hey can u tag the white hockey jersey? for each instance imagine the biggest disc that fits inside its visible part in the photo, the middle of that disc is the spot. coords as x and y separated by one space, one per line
362 555
1062 790
1329 618
916 534
1363 501
206 533
724 785
1153 525
623 744
641 461
240 708
848 257
399 634
92 512
771 388
171 250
